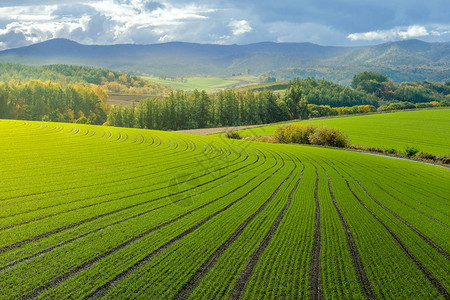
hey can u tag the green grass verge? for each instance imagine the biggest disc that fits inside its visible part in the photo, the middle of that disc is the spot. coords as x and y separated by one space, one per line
427 130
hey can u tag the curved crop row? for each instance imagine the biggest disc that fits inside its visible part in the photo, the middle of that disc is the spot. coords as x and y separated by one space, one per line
102 212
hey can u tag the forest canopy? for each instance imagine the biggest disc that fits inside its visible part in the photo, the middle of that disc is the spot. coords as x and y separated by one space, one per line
111 81
51 101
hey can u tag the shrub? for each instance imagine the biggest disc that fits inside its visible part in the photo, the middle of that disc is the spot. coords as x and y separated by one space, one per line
445 159
232 134
328 136
299 134
390 151
426 155
375 149
396 106
264 139
280 135
411 151
444 103
424 105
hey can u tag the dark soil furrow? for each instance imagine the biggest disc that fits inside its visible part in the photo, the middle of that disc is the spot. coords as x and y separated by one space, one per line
315 283
413 208
12 264
57 230
418 232
186 166
356 258
247 272
105 287
192 283
433 280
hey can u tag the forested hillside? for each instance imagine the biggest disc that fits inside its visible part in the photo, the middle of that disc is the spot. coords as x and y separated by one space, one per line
111 81
51 101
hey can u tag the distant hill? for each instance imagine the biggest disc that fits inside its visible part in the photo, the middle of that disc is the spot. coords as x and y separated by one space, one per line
401 61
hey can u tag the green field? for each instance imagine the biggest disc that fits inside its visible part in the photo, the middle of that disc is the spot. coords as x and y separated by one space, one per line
192 83
103 212
208 84
427 130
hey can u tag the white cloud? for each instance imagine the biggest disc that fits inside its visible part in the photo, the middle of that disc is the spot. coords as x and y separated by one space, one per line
240 27
99 22
166 38
396 33
23 22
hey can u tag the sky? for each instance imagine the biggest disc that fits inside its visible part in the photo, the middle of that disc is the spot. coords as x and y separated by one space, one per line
324 22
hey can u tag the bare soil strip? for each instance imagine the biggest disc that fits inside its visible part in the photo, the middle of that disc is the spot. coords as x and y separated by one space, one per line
60 229
315 283
436 283
413 208
418 232
357 261
247 273
12 264
193 282
88 264
104 288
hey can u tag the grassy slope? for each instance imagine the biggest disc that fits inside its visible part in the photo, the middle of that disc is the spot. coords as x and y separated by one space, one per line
206 83
428 130
92 210
192 83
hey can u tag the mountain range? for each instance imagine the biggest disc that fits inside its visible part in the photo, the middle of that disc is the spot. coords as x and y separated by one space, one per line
402 61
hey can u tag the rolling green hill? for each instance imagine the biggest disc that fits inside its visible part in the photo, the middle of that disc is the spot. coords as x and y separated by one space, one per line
428 130
92 211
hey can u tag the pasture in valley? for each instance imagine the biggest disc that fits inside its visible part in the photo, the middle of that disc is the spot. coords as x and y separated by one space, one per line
207 83
102 212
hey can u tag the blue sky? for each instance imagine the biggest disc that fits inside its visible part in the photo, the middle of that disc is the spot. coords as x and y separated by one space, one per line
325 22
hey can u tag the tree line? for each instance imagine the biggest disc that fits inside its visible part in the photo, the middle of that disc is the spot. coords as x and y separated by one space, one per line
111 81
188 110
302 99
50 101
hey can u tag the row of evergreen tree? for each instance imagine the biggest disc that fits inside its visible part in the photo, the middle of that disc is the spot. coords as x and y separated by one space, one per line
183 110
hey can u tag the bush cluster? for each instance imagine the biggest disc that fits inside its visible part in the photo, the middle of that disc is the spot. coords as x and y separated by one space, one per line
310 134
409 105
233 134
411 151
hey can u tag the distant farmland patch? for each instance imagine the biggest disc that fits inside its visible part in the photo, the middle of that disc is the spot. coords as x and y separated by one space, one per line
202 83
